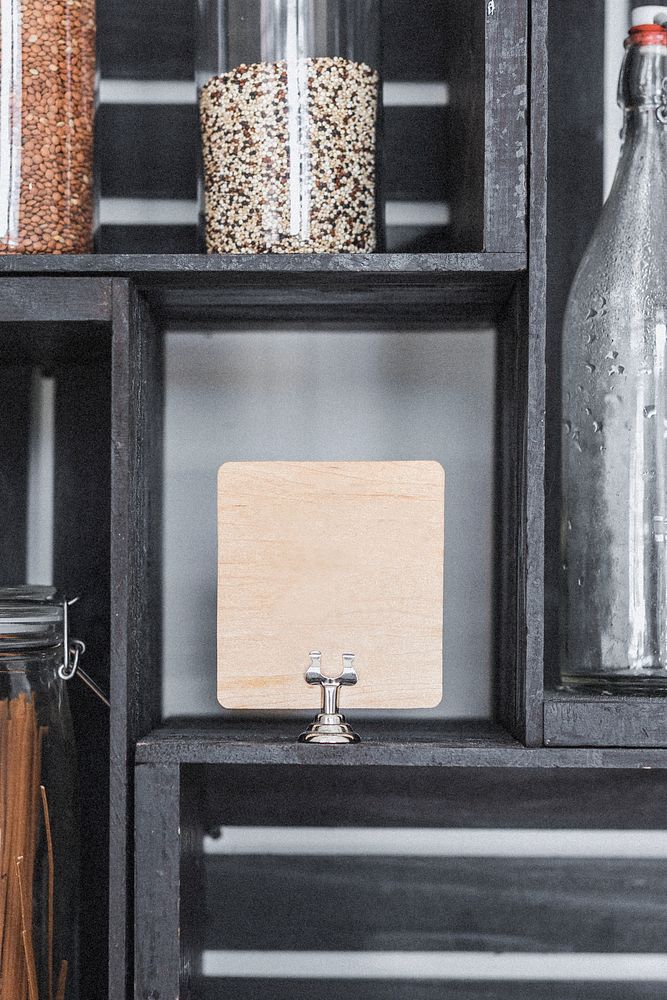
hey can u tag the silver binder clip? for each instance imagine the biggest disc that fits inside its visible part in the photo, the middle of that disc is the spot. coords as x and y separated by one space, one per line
330 726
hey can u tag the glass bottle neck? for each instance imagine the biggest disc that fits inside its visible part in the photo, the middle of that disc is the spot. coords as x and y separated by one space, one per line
643 96
642 85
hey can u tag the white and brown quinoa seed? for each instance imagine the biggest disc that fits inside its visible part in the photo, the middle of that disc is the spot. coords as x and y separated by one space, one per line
47 205
245 123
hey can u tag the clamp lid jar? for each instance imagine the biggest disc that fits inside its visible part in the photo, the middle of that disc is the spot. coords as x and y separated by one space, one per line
288 98
38 811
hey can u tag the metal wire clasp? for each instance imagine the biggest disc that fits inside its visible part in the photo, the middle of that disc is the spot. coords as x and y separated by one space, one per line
73 649
661 110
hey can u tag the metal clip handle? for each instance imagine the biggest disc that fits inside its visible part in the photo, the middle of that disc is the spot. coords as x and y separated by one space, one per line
330 726
73 649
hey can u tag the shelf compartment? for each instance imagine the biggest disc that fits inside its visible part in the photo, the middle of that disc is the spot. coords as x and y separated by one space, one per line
55 342
470 153
208 899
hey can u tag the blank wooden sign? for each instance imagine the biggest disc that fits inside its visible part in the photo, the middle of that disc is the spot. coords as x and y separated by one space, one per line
334 556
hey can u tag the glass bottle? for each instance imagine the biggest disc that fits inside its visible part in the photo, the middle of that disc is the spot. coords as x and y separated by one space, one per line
288 99
614 407
47 102
38 814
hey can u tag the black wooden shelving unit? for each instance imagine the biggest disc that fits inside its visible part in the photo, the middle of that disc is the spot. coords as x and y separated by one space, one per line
97 322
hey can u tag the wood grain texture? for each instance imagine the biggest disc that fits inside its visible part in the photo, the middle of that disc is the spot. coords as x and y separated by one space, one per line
496 797
157 969
81 568
364 989
531 504
336 557
36 300
174 267
434 904
575 177
506 139
510 527
605 721
385 743
387 289
135 590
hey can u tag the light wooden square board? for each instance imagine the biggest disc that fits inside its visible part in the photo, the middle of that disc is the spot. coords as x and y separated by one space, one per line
337 557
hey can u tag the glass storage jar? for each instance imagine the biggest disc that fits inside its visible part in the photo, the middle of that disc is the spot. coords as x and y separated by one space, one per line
289 94
38 814
47 99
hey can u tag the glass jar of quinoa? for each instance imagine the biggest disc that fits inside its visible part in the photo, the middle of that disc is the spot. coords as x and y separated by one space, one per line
289 95
47 103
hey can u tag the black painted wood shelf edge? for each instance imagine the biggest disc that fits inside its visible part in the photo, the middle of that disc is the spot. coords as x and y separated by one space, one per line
204 742
605 719
389 265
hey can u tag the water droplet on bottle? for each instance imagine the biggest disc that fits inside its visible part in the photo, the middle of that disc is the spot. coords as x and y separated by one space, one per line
588 411
616 370
591 338
569 524
611 356
597 426
580 581
567 426
592 313
589 367
649 411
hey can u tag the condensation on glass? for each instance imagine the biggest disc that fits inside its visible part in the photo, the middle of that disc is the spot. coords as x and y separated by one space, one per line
39 881
288 99
614 406
47 101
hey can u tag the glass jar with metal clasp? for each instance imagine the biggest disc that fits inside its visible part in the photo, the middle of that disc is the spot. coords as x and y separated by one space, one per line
39 880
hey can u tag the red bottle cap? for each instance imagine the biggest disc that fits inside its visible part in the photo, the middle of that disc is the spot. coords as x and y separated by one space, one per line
647 34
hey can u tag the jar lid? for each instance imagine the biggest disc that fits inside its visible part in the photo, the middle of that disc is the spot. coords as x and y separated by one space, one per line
30 617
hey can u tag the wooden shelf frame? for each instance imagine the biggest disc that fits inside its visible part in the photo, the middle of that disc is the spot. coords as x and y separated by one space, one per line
105 315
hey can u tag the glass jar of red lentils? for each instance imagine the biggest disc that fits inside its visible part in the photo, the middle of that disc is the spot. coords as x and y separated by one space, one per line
289 98
47 102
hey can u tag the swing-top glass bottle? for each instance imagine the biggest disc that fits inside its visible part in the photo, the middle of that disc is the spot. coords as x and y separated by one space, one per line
614 408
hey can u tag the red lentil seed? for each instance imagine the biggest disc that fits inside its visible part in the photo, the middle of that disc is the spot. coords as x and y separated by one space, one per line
244 116
46 198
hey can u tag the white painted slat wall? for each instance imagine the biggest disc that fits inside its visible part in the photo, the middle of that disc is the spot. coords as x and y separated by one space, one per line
156 212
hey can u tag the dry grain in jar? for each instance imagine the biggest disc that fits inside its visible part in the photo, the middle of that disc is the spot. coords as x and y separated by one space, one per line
46 128
289 160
